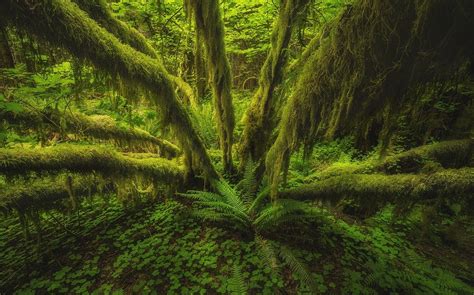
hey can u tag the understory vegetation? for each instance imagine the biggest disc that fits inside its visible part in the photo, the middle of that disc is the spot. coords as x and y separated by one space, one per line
236 147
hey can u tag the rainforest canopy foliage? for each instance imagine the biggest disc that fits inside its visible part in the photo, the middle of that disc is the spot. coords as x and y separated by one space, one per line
236 147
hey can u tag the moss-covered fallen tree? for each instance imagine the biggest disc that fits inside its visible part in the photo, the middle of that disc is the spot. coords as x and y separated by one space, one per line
77 158
63 23
426 158
43 194
100 127
449 154
373 191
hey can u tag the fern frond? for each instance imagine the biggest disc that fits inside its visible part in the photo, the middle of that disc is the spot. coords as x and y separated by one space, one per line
262 195
273 214
248 185
299 268
230 195
208 215
237 282
266 251
225 208
214 216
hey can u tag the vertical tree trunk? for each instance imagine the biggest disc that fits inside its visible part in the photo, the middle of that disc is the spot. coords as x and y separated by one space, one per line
260 116
200 69
210 27
6 56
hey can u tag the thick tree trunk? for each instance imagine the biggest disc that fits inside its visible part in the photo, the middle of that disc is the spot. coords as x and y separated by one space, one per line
86 159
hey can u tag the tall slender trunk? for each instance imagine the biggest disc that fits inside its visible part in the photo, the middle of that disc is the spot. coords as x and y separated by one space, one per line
6 55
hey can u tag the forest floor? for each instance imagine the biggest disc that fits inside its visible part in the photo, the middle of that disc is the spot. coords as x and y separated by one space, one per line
105 248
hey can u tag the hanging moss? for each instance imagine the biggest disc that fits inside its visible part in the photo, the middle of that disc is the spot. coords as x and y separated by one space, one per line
97 127
372 192
63 23
209 25
378 56
186 90
260 117
99 11
76 158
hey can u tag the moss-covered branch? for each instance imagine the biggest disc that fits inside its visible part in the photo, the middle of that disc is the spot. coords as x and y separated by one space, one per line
260 117
45 193
372 192
379 56
426 158
64 24
76 158
210 27
98 127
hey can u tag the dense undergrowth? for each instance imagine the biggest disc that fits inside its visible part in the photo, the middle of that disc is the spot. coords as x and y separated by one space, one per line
106 248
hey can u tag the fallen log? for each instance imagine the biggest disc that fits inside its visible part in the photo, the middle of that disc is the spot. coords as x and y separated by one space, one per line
373 191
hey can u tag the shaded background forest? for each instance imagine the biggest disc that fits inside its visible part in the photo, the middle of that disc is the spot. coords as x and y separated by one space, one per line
327 146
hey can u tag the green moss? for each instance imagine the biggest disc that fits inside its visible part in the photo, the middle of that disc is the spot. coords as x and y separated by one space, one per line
64 24
99 11
45 193
449 154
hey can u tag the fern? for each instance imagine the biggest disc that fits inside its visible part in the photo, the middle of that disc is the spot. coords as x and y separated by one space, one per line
298 267
236 283
227 206
248 184
267 252
280 210
262 195
230 195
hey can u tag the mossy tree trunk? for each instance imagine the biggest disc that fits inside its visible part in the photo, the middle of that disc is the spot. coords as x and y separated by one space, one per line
6 56
260 117
209 26
63 23
199 68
